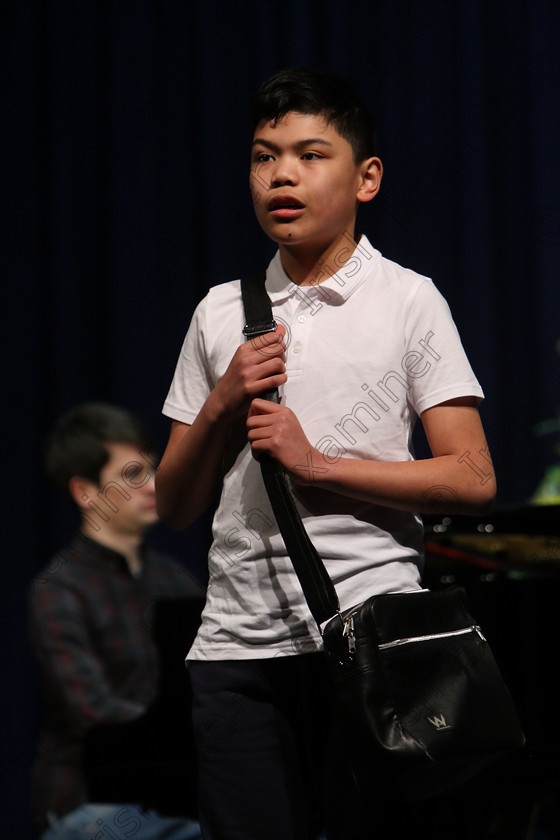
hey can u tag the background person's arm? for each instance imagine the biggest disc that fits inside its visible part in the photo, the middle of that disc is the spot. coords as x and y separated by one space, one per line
73 674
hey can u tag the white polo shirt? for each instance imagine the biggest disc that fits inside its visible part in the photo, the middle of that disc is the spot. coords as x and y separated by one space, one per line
369 349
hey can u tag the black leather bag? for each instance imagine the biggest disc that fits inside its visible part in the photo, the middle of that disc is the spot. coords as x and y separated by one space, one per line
417 684
418 681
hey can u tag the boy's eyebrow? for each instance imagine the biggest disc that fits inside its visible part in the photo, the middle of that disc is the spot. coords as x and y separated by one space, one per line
311 141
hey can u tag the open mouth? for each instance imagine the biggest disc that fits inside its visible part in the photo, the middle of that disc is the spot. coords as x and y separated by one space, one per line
285 208
284 202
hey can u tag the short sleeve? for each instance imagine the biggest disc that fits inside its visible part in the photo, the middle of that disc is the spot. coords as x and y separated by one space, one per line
191 382
436 364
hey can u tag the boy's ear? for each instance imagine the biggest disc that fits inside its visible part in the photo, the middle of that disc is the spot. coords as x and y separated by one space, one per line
372 173
80 490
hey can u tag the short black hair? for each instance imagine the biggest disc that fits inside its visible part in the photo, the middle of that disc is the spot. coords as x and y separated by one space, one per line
77 445
313 91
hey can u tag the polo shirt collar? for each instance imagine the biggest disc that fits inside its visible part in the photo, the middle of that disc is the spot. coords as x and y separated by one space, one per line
334 290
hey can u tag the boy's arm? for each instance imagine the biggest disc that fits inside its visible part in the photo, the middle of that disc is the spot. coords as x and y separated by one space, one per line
189 472
458 478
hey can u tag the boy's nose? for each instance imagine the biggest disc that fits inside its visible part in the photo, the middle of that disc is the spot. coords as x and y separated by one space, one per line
285 172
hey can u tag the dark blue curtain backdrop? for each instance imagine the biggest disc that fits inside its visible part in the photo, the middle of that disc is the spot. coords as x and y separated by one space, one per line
126 179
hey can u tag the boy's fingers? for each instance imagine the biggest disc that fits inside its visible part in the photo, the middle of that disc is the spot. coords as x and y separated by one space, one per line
270 343
260 406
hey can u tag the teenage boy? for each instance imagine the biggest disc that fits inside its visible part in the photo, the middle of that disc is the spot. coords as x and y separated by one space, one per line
362 347
97 661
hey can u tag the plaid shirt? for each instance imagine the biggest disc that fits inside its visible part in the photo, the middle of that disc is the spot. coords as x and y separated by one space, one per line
90 631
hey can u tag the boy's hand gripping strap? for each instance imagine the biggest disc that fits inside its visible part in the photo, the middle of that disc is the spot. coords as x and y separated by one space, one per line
314 579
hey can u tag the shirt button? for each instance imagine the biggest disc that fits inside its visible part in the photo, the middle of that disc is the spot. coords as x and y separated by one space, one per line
297 347
302 318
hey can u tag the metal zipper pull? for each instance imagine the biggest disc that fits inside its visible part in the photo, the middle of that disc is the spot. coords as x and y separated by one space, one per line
349 633
478 629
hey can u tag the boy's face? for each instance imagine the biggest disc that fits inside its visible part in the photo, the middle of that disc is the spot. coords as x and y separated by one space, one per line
305 183
125 492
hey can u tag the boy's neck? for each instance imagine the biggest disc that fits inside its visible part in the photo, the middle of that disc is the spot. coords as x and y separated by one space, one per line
307 266
129 545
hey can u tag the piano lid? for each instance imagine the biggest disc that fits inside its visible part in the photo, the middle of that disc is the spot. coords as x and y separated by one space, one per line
524 538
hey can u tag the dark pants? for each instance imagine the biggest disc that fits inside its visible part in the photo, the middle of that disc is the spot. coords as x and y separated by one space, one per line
261 729
273 767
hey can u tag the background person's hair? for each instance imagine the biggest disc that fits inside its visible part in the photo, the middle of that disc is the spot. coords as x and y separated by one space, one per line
310 91
77 445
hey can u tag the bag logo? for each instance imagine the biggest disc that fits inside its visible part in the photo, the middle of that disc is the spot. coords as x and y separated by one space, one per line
438 723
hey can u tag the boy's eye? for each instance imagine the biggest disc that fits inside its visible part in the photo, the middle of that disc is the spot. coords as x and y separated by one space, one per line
262 157
310 156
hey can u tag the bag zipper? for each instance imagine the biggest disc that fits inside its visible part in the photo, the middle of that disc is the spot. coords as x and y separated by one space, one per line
473 628
348 633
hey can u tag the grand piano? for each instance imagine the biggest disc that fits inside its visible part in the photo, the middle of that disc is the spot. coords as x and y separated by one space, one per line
509 565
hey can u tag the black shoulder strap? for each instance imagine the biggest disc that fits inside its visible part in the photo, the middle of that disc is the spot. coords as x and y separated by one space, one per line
310 569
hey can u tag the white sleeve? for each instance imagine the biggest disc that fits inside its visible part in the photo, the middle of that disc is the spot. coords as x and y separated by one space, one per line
440 371
191 382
